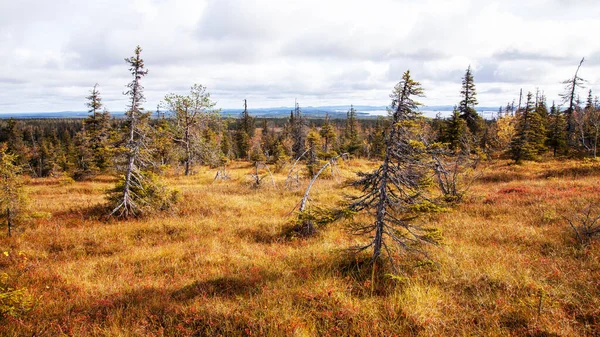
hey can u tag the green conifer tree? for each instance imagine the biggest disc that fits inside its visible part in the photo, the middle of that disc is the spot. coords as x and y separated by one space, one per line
12 196
530 135
467 105
557 126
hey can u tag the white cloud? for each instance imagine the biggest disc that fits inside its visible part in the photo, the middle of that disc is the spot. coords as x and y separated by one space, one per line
271 52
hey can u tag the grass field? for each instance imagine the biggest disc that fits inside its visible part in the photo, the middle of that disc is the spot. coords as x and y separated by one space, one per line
221 265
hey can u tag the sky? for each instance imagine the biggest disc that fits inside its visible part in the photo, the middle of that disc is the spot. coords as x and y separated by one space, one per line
271 52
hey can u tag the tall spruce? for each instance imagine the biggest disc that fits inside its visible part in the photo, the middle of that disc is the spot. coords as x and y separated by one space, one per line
392 191
139 191
466 107
245 131
92 141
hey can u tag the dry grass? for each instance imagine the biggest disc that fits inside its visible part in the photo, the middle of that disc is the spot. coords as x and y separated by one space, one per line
220 265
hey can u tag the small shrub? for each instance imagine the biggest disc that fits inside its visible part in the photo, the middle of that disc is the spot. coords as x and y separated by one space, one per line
13 302
585 224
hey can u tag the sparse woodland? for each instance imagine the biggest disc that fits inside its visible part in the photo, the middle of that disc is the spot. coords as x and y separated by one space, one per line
180 222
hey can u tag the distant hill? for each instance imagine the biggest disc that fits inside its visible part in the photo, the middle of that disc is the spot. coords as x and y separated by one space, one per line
336 111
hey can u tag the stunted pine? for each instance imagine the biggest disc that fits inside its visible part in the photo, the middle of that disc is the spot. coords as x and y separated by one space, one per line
394 191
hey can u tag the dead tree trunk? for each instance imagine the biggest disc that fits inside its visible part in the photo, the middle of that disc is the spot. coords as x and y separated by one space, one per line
288 180
8 221
307 227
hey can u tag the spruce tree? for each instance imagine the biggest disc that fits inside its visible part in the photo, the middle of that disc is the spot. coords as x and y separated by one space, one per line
226 145
541 123
392 192
245 131
456 132
530 136
556 129
313 140
467 105
92 141
85 165
139 191
351 132
377 138
298 131
328 135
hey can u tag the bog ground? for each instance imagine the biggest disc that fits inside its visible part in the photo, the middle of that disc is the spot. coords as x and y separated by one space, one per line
223 265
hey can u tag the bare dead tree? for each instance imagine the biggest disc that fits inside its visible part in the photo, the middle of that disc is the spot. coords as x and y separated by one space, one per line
454 174
330 163
257 178
222 174
569 97
306 220
293 176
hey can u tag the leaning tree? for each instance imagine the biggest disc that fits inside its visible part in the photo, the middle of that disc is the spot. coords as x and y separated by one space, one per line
394 192
569 97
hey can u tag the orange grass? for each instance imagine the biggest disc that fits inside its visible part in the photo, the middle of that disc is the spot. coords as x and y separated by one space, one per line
220 264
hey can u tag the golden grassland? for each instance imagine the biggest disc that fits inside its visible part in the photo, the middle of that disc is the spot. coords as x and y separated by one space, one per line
220 265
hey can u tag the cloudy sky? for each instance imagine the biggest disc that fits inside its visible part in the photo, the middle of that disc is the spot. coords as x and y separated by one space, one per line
322 52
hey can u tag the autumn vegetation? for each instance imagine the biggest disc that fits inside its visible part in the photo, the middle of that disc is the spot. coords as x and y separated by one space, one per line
181 222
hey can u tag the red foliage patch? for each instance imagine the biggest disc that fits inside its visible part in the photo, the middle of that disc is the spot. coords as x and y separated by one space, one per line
517 190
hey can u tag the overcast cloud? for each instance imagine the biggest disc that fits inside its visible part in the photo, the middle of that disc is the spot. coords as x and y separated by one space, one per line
271 51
